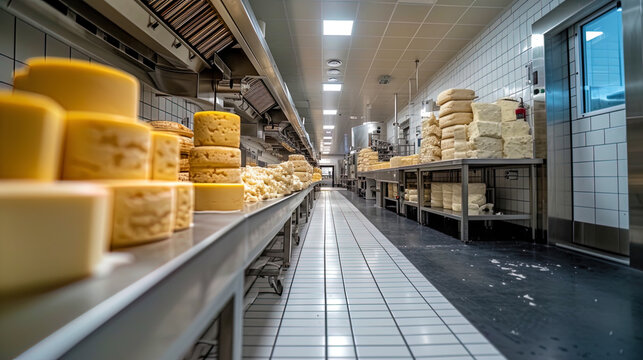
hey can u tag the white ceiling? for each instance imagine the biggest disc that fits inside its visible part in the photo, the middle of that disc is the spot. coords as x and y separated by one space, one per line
388 36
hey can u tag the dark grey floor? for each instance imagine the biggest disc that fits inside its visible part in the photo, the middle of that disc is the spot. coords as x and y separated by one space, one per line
531 301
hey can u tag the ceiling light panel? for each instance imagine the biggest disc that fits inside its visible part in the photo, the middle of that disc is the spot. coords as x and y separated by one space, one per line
329 127
328 138
338 27
330 112
332 87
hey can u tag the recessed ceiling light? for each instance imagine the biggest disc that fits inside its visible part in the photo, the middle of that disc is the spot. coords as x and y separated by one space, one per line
328 138
329 127
332 79
353 117
332 87
325 152
334 62
338 27
333 72
330 112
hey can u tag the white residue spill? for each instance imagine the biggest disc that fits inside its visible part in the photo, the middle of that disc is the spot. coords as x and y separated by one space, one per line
526 296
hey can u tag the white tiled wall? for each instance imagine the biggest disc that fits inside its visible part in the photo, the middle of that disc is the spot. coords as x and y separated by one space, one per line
20 41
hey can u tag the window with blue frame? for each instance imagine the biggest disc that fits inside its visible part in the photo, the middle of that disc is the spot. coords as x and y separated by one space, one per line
602 53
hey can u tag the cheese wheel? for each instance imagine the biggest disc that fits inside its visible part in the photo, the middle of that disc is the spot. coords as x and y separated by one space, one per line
447 143
184 176
217 128
184 163
455 94
184 205
453 106
81 86
173 127
50 233
448 154
215 175
185 144
302 157
31 136
218 197
165 156
455 119
215 157
103 146
143 211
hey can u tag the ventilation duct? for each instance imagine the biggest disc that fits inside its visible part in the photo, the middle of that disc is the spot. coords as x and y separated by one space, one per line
258 96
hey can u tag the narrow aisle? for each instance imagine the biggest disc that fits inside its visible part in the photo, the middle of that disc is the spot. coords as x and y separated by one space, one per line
352 294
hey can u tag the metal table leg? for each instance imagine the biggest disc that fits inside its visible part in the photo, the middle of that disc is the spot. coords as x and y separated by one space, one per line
464 221
533 188
231 325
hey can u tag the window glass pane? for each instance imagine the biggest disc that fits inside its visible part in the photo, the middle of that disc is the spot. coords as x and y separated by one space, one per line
603 79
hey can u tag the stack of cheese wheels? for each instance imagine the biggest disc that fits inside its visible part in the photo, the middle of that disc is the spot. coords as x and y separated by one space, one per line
365 158
485 132
516 137
455 109
476 199
303 170
50 232
215 162
412 195
436 195
431 136
317 174
105 144
186 143
447 195
397 161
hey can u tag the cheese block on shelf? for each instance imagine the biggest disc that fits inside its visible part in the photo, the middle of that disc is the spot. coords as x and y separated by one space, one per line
217 128
454 106
31 136
301 157
514 128
448 154
215 175
455 94
508 109
447 132
519 147
455 119
81 86
218 197
215 157
104 146
183 205
447 195
172 127
143 211
436 195
485 144
301 165
50 233
485 128
486 112
447 143
165 156
303 176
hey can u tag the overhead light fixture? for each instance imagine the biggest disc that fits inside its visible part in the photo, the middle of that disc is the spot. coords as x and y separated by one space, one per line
332 79
330 112
329 127
325 152
591 35
334 62
334 72
332 87
353 117
338 27
328 138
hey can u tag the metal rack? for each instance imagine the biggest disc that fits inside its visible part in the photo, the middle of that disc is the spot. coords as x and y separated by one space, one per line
462 167
160 303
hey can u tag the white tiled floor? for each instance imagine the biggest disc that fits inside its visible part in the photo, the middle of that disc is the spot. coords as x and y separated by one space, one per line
351 294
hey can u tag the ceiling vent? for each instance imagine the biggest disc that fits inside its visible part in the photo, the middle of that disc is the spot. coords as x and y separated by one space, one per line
384 79
334 63
334 72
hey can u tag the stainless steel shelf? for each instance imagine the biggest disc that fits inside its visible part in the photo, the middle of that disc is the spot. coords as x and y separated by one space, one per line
156 305
457 215
411 203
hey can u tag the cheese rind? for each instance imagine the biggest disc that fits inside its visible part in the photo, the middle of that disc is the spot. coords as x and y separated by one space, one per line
217 128
218 197
143 211
215 175
184 205
81 86
50 233
104 146
165 156
455 94
31 137
215 157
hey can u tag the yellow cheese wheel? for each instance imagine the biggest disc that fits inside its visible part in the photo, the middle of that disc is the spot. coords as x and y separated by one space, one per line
216 128
50 233
215 175
165 156
143 211
103 146
81 86
215 157
31 136
184 205
218 197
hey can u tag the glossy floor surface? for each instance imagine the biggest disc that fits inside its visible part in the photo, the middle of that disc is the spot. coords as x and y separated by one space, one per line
530 301
350 293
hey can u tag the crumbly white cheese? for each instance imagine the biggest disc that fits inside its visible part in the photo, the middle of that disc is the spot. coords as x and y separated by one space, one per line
519 147
515 128
508 109
485 128
486 112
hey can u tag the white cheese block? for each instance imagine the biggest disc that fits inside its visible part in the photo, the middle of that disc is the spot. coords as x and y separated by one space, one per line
430 140
484 154
514 129
485 143
430 150
447 143
508 109
455 94
520 147
460 133
436 195
447 133
473 208
447 195
454 106
50 233
455 119
485 128
486 112
448 154
413 198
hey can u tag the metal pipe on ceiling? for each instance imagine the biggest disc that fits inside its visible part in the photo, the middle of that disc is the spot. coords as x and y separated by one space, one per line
397 128
417 77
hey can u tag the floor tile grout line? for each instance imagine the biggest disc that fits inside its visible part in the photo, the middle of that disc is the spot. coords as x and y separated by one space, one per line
281 320
412 284
378 287
339 260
